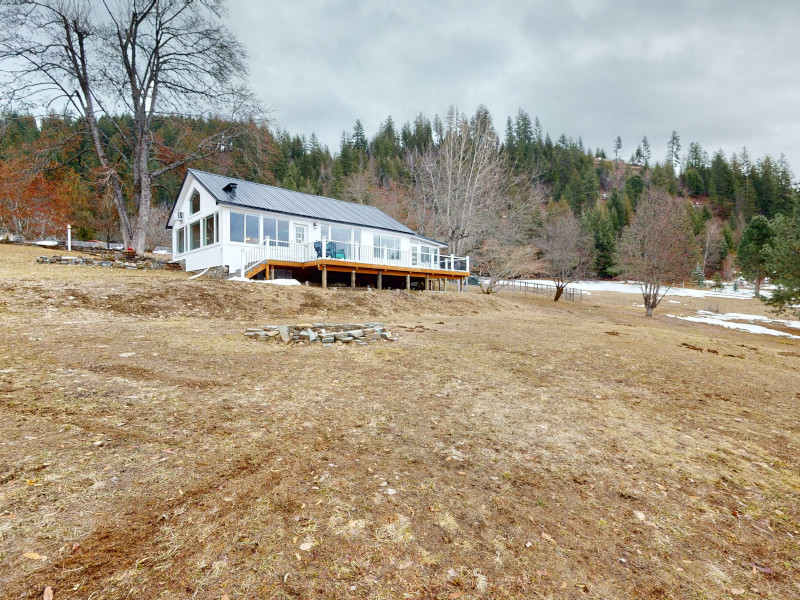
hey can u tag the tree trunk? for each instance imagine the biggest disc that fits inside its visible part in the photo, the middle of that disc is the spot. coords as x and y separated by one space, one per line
142 186
559 291
648 310
758 286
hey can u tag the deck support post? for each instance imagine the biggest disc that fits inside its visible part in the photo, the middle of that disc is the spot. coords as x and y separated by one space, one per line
380 280
445 284
324 277
427 282
271 275
408 282
353 280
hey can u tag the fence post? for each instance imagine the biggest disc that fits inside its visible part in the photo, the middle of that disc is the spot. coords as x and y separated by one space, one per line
243 259
69 238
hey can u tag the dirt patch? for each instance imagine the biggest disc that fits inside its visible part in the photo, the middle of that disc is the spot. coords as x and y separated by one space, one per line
503 447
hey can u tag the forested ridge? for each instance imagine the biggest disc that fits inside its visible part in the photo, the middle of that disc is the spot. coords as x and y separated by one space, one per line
51 161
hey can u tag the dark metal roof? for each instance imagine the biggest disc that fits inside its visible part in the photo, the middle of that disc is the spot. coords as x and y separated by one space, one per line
267 197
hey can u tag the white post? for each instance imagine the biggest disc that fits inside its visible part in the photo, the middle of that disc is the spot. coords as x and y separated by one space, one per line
69 238
468 264
324 247
242 269
452 262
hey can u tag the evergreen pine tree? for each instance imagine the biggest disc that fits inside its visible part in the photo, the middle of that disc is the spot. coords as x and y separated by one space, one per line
750 256
359 137
646 152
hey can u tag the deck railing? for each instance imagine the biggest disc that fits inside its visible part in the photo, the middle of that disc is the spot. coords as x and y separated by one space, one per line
349 251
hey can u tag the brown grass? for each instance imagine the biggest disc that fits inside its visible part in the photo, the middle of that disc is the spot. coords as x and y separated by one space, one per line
505 447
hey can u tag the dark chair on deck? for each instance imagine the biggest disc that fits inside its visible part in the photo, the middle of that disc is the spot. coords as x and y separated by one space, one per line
318 249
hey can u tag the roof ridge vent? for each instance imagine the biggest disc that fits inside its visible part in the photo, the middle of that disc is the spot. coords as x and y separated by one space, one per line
230 188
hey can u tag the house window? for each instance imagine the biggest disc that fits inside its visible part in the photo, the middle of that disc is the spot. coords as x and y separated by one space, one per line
180 243
251 229
237 227
277 230
414 256
194 235
269 225
194 203
341 234
425 255
210 230
283 232
387 247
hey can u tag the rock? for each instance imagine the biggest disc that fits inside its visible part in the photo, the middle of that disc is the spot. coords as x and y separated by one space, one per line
284 332
272 333
356 333
372 337
253 329
311 335
340 335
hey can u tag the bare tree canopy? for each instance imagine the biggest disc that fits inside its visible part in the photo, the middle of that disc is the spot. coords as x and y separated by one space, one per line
657 249
149 58
461 180
565 247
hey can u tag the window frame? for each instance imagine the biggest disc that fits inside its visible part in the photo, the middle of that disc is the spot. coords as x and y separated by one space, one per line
191 237
180 240
194 197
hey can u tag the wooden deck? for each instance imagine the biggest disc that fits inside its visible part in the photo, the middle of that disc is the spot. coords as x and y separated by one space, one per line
326 265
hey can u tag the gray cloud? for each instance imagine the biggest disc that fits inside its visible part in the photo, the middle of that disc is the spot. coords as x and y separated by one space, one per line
720 72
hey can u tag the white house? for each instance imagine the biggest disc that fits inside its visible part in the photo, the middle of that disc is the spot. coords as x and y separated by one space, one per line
261 231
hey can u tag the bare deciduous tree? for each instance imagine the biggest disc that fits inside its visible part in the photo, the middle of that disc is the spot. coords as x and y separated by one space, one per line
358 187
565 248
498 261
460 181
157 234
145 57
657 249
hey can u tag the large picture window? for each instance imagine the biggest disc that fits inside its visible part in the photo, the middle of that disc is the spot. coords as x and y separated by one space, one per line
387 247
194 235
210 235
237 227
251 229
277 230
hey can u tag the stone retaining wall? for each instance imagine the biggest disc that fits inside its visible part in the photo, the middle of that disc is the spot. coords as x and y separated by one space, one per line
326 334
110 261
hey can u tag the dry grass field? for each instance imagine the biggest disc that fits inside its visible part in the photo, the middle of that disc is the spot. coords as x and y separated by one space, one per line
503 447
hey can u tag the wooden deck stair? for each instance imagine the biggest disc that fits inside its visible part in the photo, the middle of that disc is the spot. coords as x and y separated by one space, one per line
256 269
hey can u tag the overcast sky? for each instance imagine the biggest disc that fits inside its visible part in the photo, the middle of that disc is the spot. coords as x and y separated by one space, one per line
723 73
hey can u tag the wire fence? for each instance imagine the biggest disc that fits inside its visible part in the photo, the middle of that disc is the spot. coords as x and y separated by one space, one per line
543 289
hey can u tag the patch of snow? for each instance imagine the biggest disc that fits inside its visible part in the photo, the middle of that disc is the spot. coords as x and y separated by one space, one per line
674 301
728 320
631 287
49 243
271 281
